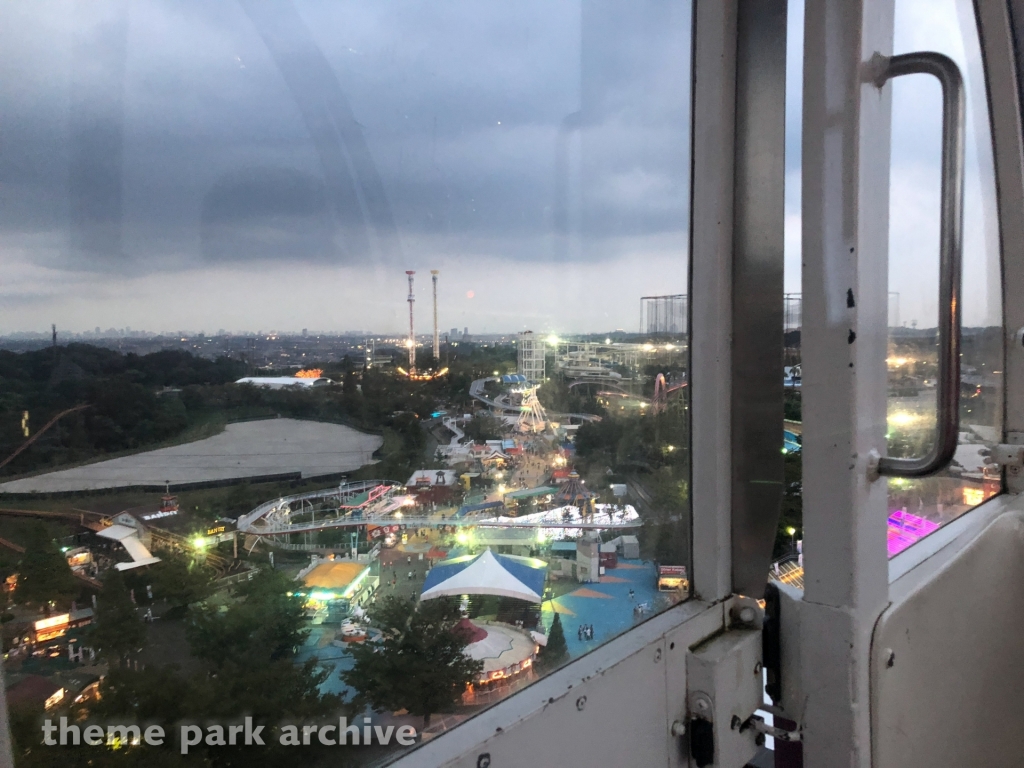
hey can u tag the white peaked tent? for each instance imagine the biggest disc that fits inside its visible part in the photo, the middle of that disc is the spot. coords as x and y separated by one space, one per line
487 574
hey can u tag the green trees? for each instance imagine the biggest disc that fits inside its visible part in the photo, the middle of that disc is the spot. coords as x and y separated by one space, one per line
180 581
245 668
119 631
263 626
44 576
483 426
418 664
556 651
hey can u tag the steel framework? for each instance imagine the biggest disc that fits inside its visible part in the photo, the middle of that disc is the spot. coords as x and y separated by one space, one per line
532 418
412 335
662 315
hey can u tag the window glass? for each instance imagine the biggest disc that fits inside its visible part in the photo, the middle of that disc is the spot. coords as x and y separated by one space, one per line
344 349
918 507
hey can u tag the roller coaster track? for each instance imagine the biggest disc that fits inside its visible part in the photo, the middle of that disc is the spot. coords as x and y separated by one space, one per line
661 392
476 390
36 436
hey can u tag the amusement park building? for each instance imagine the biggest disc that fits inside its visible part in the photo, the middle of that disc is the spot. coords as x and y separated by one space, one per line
435 486
339 582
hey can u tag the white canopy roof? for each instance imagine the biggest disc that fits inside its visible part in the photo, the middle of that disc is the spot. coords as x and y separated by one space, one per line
129 539
487 574
117 532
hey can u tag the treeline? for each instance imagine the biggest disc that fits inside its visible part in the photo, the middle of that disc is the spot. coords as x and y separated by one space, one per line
137 402
241 662
125 410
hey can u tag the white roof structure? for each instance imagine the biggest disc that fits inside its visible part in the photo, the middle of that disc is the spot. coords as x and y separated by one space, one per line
117 532
279 382
129 539
970 457
487 574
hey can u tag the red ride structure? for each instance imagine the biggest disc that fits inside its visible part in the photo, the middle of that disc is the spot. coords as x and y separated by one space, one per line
662 389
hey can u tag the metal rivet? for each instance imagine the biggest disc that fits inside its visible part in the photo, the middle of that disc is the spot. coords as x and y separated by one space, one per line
484 760
747 614
890 657
657 655
678 728
581 703
757 668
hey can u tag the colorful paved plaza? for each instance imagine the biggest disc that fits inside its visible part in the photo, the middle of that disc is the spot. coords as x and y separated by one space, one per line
607 606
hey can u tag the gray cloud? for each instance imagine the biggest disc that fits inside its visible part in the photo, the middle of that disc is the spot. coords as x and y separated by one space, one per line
195 132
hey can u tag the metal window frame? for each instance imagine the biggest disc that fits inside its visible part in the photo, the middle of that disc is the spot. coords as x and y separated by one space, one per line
846 145
1001 31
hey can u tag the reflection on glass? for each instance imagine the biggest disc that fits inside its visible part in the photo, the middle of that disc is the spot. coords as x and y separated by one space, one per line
397 293
919 507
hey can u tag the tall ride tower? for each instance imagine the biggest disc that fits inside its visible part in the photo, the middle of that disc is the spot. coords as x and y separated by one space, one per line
412 336
437 337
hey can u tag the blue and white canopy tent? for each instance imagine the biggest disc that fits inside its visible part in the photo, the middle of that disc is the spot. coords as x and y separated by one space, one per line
487 574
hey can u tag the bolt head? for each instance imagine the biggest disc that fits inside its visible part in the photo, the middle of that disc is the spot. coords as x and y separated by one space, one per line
747 614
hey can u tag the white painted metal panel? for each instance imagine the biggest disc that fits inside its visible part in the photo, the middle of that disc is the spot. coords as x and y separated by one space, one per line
947 666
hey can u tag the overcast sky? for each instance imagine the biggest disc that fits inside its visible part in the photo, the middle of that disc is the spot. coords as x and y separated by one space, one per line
252 165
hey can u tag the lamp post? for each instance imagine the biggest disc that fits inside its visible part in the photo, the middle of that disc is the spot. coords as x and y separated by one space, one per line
792 536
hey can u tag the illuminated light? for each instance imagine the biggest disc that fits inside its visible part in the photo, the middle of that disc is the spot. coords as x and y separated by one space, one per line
785 450
552 339
461 537
669 347
670 448
398 515
53 621
311 373
64 549
973 496
607 341
896 362
199 542
409 343
791 531
495 373
903 418
648 347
